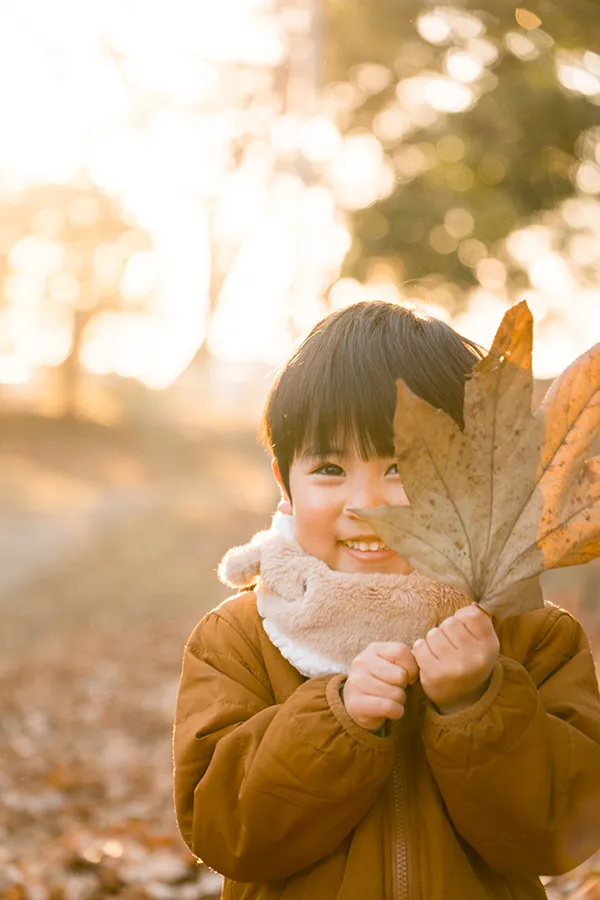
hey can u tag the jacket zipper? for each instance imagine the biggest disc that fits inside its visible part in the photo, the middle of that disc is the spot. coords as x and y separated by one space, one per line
400 871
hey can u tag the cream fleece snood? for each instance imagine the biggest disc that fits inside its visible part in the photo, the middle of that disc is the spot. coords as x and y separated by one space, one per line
320 619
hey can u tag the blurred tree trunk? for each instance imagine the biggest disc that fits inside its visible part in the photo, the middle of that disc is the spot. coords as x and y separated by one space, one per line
70 370
217 279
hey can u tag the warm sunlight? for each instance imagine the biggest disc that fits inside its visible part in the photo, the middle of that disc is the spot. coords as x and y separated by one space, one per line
188 190
165 164
243 248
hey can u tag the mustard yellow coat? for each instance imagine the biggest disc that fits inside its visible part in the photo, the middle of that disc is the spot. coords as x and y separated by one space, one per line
278 789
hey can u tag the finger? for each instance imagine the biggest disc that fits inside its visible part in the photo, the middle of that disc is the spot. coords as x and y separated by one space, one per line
475 620
373 707
401 655
425 658
438 643
457 633
477 631
388 672
376 688
487 612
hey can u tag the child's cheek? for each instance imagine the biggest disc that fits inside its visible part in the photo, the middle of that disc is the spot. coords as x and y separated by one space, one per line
315 532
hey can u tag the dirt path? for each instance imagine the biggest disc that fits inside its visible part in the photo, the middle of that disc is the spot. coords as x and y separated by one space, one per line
48 514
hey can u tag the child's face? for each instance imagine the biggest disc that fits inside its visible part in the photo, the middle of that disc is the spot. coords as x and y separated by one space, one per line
324 490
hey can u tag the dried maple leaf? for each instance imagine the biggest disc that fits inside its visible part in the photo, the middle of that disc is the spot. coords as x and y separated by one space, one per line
512 494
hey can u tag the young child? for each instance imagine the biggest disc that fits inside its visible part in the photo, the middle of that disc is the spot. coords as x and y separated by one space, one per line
345 728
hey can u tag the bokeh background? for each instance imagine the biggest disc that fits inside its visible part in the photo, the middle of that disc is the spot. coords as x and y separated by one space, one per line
186 187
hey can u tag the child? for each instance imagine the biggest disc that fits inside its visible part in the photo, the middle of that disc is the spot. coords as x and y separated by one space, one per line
332 743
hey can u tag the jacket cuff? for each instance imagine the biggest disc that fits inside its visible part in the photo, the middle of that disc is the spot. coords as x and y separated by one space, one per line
361 735
471 713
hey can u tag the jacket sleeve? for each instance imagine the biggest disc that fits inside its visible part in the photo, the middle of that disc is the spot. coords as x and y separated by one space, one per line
519 771
264 789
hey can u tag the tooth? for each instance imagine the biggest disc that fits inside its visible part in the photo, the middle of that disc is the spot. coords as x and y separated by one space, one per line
375 546
363 546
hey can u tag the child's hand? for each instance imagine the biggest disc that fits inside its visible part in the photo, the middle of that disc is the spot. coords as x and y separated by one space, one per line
374 689
456 659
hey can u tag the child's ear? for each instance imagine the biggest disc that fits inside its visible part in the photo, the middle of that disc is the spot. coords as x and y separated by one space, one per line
284 506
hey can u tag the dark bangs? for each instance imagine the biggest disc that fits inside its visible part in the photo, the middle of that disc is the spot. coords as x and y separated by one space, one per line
338 390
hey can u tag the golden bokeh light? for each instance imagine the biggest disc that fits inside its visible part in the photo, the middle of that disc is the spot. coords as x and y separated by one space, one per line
232 196
156 131
527 19
521 45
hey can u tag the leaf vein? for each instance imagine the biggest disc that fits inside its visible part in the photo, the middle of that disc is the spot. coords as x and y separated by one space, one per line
549 463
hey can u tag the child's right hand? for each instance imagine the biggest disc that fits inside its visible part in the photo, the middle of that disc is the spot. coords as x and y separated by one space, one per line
374 690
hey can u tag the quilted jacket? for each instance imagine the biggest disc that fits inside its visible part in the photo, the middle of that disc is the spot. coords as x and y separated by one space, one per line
278 789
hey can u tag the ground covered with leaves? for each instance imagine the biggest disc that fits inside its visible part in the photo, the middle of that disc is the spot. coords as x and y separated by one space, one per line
92 639
107 562
86 793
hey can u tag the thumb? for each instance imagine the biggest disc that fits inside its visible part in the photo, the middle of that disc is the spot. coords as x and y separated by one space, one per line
479 606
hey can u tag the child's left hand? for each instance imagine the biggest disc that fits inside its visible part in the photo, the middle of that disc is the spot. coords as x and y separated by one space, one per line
456 659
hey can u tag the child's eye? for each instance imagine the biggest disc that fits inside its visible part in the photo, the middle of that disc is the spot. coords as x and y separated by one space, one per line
329 469
393 469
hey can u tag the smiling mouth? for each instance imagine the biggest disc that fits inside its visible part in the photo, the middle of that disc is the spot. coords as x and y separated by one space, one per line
366 546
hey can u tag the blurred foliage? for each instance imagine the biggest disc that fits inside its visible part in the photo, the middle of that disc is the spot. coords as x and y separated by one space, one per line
477 173
69 254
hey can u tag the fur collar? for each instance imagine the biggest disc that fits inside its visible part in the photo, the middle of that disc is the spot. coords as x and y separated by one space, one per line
320 619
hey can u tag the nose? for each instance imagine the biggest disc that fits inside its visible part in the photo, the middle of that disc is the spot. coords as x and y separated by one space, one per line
368 490
351 513
366 495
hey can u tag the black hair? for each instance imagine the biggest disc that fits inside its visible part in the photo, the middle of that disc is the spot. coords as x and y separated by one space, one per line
339 386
